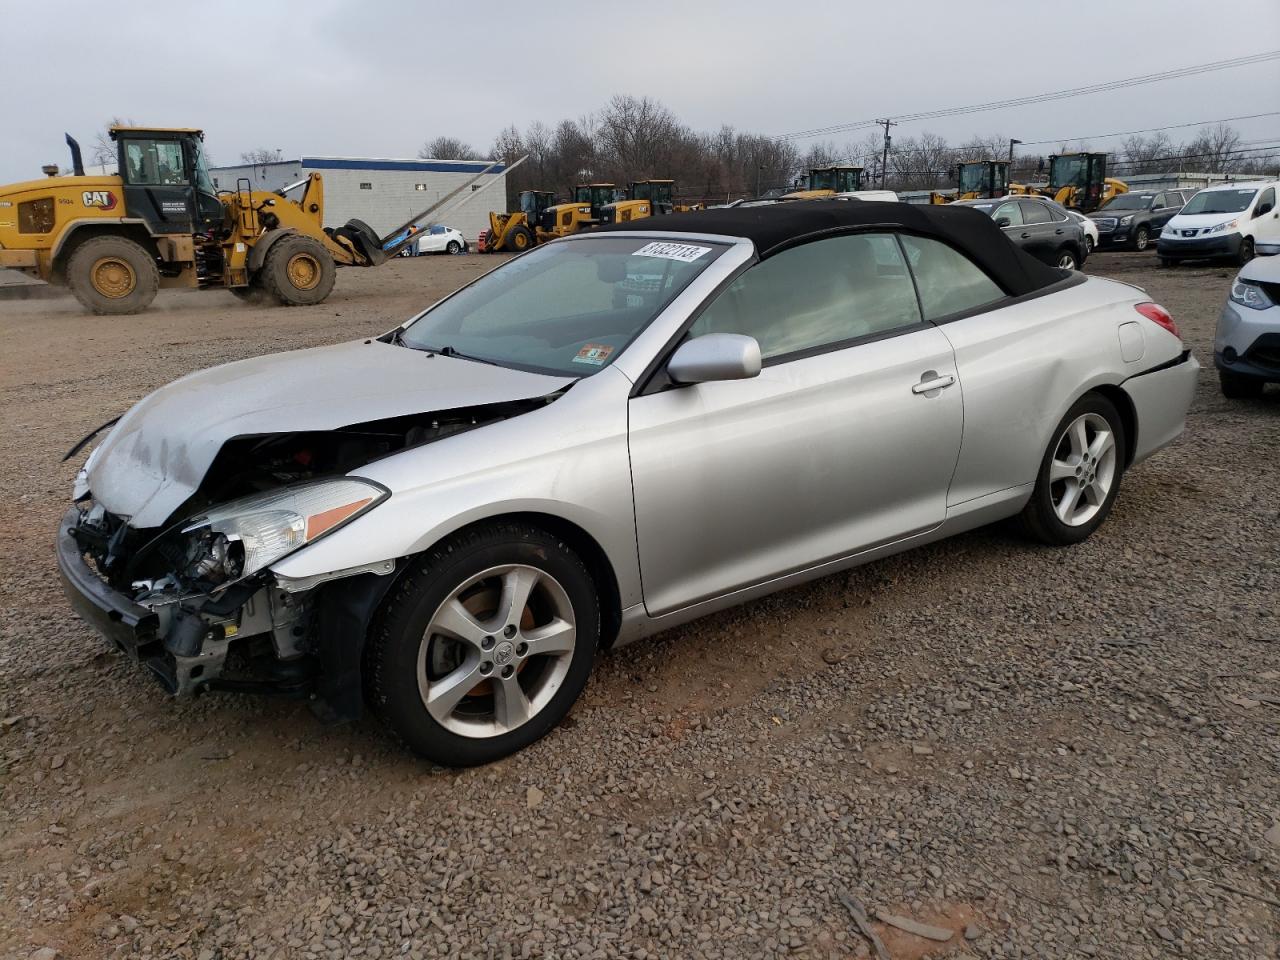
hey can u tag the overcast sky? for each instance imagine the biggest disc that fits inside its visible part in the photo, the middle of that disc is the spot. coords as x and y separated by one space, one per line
379 79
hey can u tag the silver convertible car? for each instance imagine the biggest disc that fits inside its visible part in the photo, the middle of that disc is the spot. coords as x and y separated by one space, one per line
609 435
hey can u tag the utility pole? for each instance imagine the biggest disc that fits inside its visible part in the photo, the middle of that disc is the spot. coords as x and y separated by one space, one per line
1012 144
884 163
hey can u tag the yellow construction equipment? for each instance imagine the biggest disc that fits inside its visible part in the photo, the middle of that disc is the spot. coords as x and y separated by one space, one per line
828 182
518 231
582 213
977 180
1078 181
160 222
645 198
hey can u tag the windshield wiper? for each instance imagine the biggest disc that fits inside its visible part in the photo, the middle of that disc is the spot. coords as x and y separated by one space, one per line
451 351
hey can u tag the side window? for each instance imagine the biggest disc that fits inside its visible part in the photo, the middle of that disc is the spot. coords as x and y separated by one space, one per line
1033 212
817 294
1266 202
949 282
1160 201
1008 211
154 163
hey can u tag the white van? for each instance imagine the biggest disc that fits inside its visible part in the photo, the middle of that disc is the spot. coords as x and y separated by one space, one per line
1233 220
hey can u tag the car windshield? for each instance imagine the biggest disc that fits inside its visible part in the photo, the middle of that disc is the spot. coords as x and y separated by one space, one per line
565 308
1130 201
1219 201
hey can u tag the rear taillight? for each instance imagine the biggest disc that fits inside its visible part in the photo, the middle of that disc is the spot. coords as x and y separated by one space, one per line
1158 314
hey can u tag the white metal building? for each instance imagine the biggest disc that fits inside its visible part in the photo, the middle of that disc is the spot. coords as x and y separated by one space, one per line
383 193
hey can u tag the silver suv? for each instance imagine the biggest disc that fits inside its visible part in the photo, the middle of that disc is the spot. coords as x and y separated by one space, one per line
1246 349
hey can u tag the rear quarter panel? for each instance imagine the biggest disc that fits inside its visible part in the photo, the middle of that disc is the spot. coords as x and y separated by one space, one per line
1023 366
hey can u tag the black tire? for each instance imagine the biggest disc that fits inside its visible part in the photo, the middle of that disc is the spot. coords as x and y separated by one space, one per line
1088 245
398 632
113 276
312 275
1067 259
1141 238
520 239
1167 262
453 248
1039 519
1236 386
1245 253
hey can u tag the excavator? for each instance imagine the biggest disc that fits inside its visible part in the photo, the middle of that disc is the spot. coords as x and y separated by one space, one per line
977 180
827 182
160 222
1078 181
645 198
517 231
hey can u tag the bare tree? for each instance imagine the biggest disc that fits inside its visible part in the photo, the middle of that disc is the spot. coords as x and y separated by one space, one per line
1214 149
102 149
259 155
447 148
1139 154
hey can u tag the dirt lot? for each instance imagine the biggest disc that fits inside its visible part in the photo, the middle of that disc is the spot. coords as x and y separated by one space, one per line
1053 753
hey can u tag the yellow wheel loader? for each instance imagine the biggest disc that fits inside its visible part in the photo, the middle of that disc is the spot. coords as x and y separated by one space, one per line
1078 181
160 222
645 198
827 182
517 231
562 219
977 180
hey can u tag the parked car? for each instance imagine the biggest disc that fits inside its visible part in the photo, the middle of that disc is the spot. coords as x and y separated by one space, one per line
1090 230
1039 226
1135 219
442 240
454 517
437 239
1246 348
1233 220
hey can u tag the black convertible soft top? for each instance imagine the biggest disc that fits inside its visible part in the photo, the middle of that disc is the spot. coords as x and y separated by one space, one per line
776 226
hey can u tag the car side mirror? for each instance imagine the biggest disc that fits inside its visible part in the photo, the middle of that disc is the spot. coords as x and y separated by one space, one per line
1003 222
715 356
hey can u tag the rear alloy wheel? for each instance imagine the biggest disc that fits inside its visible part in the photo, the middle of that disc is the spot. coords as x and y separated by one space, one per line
1079 475
113 276
484 645
1088 245
1237 386
1141 238
298 271
1066 259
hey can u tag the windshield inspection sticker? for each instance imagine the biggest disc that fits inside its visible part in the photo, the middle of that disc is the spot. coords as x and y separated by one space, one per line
684 252
594 353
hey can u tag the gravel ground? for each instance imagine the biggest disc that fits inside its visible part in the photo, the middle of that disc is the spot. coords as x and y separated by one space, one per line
1047 753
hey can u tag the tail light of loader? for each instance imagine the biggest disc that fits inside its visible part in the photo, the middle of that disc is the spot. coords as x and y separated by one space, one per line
1158 314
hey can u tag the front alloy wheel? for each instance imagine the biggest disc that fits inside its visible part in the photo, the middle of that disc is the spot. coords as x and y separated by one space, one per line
483 644
496 651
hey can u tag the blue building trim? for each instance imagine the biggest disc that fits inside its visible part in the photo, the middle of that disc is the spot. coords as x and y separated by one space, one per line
423 166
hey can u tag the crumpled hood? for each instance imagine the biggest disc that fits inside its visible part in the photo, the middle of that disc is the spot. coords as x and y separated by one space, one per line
156 456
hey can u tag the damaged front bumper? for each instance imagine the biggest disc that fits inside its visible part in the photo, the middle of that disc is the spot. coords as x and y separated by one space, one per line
261 636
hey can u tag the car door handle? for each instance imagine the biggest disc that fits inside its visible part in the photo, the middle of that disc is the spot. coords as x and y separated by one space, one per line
1058 231
1025 236
933 384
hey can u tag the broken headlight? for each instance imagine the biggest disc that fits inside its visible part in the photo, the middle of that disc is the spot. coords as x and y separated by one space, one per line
242 537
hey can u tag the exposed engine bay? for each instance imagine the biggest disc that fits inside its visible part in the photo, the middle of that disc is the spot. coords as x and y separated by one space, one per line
215 616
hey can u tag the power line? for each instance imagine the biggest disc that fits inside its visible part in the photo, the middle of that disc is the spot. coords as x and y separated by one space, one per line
1128 133
1188 71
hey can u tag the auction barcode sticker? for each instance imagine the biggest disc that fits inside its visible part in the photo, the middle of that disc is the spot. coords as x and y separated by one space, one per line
684 252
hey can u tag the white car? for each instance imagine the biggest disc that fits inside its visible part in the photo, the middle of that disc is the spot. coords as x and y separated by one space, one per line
437 239
1235 220
1090 230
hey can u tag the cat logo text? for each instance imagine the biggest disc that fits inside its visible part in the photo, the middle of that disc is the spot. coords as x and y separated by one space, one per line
102 199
